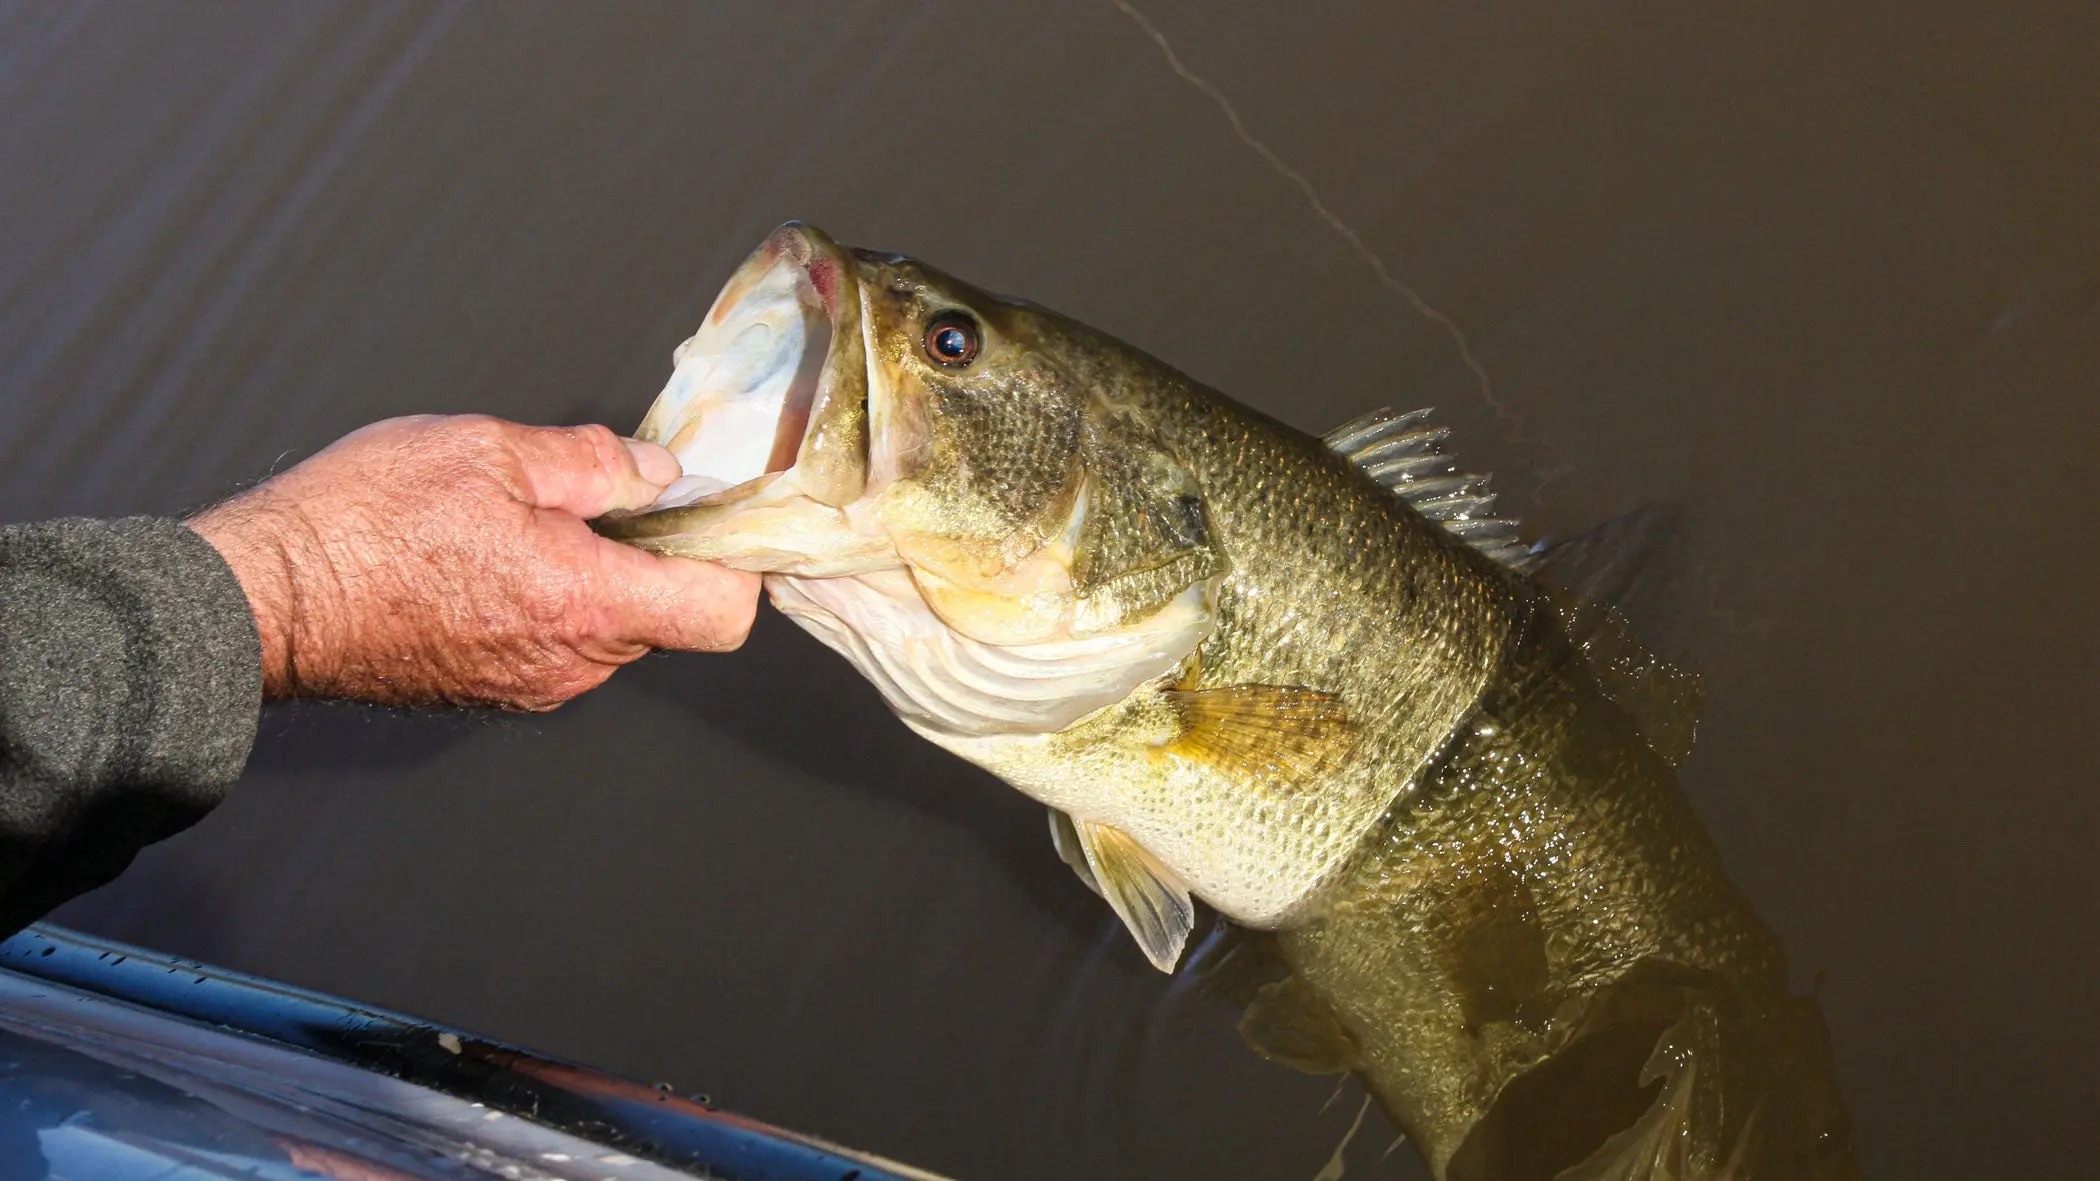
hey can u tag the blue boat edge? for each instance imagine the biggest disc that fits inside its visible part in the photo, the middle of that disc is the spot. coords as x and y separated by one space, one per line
192 1003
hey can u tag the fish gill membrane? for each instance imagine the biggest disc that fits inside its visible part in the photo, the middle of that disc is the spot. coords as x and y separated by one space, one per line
1316 684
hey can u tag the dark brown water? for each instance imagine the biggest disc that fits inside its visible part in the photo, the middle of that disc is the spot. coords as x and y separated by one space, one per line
1827 275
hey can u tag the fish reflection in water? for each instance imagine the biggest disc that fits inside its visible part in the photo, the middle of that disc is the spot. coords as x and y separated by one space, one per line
1315 683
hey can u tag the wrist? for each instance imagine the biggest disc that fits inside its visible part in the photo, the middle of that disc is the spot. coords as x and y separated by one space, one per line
272 551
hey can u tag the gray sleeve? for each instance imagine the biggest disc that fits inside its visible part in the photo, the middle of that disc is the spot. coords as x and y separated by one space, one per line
130 683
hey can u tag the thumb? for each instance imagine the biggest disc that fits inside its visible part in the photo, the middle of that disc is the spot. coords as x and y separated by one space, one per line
676 603
589 470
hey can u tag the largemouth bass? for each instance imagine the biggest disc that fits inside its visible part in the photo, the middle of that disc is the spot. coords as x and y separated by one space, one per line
1313 683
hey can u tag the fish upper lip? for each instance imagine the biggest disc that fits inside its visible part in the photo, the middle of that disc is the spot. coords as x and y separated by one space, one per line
830 267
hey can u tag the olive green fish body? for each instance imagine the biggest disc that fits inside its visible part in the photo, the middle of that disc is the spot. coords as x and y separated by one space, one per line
1540 942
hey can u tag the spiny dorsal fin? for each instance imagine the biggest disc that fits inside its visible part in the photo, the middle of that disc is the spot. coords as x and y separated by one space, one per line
1405 453
1602 569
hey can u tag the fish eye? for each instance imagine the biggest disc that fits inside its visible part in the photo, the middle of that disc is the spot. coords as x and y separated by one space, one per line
952 340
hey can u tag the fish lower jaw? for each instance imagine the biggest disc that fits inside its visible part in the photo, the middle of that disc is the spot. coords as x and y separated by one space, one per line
770 525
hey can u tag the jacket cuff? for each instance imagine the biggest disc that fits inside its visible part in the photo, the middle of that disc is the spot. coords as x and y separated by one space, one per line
187 656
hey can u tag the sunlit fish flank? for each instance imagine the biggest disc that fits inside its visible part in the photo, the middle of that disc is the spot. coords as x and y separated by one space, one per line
1316 684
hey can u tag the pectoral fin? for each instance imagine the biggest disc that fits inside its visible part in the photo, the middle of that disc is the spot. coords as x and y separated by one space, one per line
1149 899
1269 736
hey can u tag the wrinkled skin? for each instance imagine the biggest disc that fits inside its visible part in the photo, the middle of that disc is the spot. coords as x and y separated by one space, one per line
425 561
1239 669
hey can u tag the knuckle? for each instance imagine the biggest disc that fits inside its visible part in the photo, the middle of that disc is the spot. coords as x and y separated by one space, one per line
540 676
566 683
733 627
467 440
599 439
476 424
405 424
479 431
586 460
596 451
562 610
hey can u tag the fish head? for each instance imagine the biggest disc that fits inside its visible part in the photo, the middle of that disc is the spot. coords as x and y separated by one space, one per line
844 413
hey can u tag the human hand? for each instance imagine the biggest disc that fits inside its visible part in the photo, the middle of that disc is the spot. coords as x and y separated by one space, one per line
446 560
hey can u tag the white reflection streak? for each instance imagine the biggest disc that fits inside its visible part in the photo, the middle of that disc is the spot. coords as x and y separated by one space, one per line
1319 207
1335 1166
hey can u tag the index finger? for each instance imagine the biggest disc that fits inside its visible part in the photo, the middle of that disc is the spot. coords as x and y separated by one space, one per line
588 470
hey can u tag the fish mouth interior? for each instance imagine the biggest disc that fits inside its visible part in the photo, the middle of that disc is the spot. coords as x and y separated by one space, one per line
738 404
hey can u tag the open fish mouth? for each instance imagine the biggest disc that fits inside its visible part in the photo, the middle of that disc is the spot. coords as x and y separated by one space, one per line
767 412
778 351
740 400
